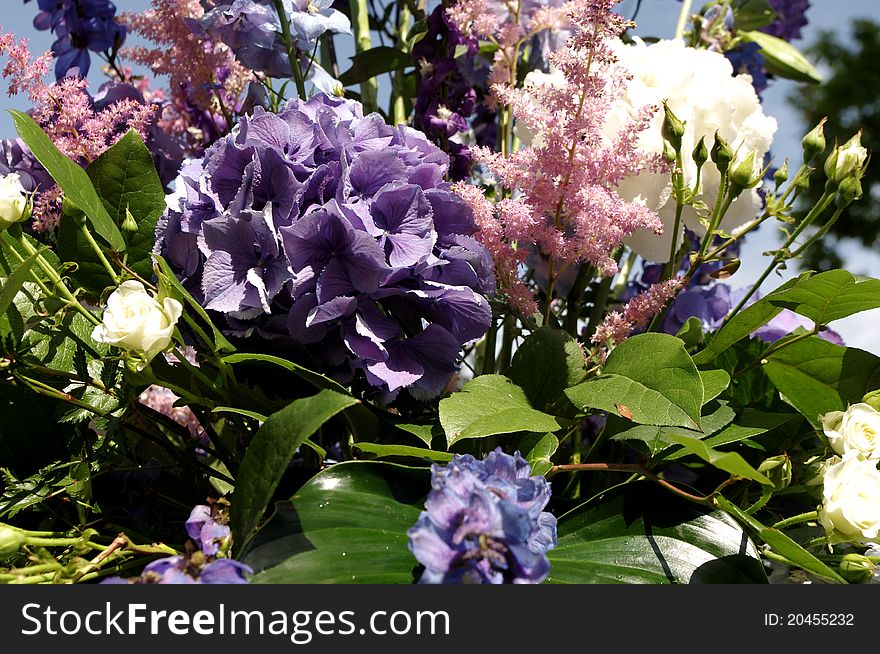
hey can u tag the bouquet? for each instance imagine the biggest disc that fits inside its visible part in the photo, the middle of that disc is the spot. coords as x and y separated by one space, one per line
462 307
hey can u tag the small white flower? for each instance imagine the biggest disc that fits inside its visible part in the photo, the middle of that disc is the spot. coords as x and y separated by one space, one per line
135 321
846 160
854 432
13 201
850 510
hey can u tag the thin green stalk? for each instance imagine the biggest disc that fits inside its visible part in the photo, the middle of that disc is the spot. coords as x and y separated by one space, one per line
398 105
683 16
291 50
360 24
796 519
98 251
489 349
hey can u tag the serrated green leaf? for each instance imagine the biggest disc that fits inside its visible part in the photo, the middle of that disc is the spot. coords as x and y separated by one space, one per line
653 377
72 179
548 362
830 296
715 382
490 405
537 450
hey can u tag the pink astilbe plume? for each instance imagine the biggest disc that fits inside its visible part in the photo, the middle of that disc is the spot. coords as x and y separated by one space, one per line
564 184
637 313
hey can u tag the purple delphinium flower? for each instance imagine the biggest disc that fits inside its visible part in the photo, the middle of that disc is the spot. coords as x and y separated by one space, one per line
710 304
208 527
81 26
334 234
791 17
484 523
747 58
15 157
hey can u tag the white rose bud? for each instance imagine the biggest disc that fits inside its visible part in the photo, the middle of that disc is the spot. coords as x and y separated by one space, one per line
846 160
13 201
854 432
851 501
135 321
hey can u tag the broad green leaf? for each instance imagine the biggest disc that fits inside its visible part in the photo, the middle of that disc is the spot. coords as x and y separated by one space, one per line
727 461
715 382
643 534
651 377
744 323
375 61
72 179
830 296
271 451
489 405
352 524
782 58
816 376
537 450
13 282
548 362
691 332
780 543
383 451
170 284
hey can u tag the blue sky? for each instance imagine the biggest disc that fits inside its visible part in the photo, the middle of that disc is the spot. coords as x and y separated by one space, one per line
655 18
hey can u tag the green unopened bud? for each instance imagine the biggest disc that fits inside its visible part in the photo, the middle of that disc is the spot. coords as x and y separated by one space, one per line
70 210
847 160
856 568
743 174
778 470
701 152
668 152
814 142
850 189
721 153
673 128
780 177
873 399
11 540
129 224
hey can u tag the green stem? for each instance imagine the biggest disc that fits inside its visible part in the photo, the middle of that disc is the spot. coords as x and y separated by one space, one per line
98 251
599 303
796 519
291 49
576 297
683 16
507 336
360 23
489 349
398 105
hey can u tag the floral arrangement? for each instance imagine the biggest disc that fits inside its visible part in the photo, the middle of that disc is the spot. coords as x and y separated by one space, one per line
462 309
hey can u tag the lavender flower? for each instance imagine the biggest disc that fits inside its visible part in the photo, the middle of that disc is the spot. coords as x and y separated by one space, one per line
791 17
321 227
484 523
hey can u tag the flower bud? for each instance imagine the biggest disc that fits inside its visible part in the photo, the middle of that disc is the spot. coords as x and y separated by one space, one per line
701 152
778 470
781 174
14 205
814 142
668 152
850 189
673 128
11 540
721 153
743 173
856 568
846 160
872 399
129 224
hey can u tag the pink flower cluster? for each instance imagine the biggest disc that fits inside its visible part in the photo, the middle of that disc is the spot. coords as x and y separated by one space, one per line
564 201
637 313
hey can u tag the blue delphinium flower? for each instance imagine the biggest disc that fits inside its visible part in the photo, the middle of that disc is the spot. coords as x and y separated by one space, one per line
335 236
484 523
81 26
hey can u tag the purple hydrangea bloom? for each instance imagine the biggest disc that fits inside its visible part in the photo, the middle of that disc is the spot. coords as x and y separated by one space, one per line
336 235
484 523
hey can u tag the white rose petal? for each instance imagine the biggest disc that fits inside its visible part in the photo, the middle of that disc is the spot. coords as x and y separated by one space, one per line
854 432
135 321
13 201
851 501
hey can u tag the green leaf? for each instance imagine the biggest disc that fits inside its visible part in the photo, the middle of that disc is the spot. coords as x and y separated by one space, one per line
383 451
489 405
830 296
14 281
653 377
780 543
548 362
642 534
271 451
375 61
782 58
752 14
750 423
315 379
125 179
744 323
691 332
537 450
715 382
816 376
727 461
352 524
72 179
424 433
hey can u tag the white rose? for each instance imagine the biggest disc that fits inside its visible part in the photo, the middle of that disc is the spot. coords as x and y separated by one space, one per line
851 501
854 432
13 201
846 159
700 89
135 321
